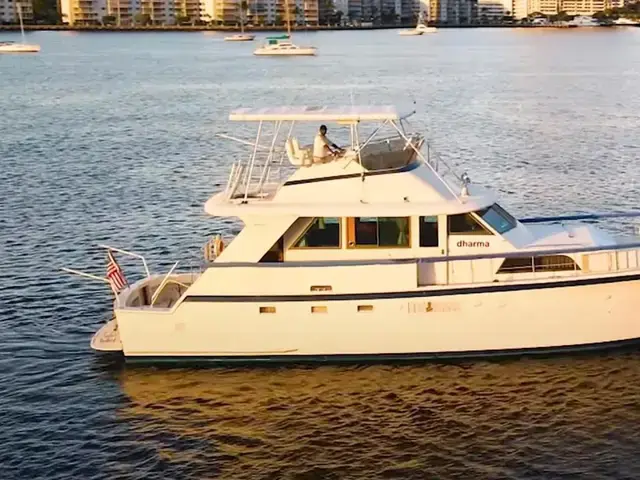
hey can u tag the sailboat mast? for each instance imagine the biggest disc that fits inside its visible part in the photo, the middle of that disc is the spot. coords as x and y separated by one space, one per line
19 5
286 6
241 16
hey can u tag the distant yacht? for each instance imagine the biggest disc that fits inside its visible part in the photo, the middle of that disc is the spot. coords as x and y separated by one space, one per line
19 47
421 28
584 21
240 37
625 21
282 45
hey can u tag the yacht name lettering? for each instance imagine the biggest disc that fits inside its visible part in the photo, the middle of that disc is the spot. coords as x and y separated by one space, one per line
464 243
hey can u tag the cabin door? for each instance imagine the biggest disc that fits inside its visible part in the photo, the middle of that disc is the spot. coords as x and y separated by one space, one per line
432 240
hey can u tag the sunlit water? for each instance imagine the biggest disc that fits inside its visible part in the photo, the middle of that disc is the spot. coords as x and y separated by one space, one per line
110 138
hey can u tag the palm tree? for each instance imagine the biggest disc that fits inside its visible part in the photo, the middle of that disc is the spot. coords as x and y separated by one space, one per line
244 6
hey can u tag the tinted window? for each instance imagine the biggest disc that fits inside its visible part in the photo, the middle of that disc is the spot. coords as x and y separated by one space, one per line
428 231
380 231
322 233
548 263
498 218
465 224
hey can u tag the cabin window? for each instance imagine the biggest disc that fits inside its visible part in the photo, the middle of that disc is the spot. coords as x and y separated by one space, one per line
324 232
498 218
465 224
428 231
548 263
379 232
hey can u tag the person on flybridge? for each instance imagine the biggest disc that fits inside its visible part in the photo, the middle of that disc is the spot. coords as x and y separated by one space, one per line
324 150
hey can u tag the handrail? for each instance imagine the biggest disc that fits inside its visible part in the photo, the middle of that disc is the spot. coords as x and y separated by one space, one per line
453 258
155 295
131 254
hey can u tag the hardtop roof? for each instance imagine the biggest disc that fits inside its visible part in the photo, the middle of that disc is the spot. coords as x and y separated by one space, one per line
310 113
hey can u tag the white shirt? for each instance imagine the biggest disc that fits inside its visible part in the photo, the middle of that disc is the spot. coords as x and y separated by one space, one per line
320 144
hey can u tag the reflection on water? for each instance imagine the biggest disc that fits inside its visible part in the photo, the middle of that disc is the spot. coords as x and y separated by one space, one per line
514 419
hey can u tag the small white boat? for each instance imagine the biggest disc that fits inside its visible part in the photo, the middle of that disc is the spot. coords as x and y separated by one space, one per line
240 37
626 22
281 45
382 252
584 21
19 47
421 28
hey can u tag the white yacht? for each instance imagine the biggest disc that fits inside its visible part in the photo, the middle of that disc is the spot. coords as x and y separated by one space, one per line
420 29
282 45
584 21
19 47
625 22
383 252
240 37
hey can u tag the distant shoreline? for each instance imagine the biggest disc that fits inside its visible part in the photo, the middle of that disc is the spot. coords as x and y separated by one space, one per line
204 28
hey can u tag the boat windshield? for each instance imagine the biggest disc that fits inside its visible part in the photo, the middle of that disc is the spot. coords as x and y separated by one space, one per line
498 218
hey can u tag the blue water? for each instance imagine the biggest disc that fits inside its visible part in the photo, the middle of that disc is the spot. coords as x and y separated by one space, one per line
110 138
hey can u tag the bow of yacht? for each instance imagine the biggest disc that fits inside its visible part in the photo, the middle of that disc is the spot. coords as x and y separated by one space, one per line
381 251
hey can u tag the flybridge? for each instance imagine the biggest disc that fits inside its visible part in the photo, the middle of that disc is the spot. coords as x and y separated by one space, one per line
260 177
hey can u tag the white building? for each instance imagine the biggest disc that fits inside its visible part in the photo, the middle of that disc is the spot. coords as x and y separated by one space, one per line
9 11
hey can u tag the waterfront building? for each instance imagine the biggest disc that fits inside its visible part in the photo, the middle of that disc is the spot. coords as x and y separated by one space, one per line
494 10
455 12
524 8
9 11
83 12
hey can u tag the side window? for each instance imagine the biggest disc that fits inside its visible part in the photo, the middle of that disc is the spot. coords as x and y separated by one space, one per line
428 231
378 232
548 263
324 232
465 224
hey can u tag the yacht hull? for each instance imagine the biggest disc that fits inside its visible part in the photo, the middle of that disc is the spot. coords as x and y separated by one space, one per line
19 48
285 53
482 321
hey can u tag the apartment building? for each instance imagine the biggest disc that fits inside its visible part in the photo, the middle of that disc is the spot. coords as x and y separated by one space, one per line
9 11
493 10
523 8
454 12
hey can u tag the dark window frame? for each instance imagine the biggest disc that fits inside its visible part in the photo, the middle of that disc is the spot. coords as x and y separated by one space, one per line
563 263
352 233
295 246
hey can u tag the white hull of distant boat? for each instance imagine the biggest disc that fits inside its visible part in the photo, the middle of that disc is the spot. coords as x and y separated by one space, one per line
239 38
410 33
9 47
19 47
284 49
405 259
584 21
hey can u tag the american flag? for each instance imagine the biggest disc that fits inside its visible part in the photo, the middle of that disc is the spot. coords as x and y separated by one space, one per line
114 274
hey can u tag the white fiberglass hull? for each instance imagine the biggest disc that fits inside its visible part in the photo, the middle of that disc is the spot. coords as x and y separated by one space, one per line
19 48
239 38
300 51
483 320
410 33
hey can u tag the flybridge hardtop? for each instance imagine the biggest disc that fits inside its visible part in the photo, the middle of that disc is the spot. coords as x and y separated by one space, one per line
396 256
400 179
319 113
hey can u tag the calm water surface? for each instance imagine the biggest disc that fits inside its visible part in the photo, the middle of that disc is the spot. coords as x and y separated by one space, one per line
111 138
